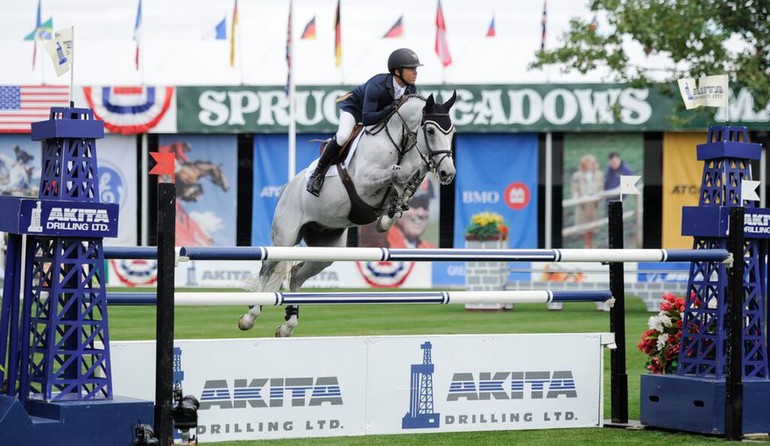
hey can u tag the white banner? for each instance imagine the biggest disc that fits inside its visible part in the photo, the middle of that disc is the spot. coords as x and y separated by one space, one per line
319 387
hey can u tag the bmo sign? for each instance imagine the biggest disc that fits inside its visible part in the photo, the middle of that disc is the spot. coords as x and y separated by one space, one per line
517 196
481 196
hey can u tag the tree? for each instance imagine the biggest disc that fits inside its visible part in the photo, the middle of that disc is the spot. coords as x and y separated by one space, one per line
697 37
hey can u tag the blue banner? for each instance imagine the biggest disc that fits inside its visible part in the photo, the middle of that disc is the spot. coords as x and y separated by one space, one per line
271 166
206 178
495 173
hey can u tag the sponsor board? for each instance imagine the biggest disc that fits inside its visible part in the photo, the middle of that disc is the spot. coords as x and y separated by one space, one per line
58 217
344 386
215 273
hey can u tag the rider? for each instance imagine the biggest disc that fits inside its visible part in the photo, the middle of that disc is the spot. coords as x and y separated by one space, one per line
368 104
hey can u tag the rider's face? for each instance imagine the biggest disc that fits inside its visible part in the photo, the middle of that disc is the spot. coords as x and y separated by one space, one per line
409 75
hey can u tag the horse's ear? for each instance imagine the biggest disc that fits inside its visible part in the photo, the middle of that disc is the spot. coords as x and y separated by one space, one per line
450 102
429 102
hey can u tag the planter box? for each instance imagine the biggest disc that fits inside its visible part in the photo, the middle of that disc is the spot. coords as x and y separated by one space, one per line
486 276
698 404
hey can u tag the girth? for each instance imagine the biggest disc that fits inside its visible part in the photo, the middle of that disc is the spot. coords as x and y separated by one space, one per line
360 212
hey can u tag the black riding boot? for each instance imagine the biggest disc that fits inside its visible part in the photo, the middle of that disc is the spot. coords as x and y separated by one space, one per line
316 180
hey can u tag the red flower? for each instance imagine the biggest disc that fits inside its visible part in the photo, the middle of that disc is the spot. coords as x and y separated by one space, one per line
661 342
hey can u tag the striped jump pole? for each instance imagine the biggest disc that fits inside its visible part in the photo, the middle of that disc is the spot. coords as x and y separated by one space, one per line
328 254
362 297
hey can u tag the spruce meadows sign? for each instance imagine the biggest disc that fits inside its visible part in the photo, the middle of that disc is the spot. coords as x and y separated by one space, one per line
494 108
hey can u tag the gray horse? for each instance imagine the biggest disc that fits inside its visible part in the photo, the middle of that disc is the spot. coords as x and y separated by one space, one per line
390 162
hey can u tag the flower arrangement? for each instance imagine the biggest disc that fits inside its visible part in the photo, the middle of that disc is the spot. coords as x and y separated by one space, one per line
661 341
486 226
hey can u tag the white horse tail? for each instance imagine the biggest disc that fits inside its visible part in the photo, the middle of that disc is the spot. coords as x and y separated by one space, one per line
272 282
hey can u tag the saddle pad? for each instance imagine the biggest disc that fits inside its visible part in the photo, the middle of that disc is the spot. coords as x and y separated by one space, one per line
333 172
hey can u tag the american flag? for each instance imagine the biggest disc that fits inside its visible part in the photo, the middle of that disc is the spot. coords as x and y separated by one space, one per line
22 105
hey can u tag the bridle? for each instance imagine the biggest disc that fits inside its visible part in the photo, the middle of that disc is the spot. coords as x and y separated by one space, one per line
443 123
440 121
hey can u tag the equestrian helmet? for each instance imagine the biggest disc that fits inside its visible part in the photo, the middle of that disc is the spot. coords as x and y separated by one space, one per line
403 58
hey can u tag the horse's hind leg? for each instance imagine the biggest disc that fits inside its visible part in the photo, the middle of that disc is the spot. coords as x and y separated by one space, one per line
299 274
302 271
270 277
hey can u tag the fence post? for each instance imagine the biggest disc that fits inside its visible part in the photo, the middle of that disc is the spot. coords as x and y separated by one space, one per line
164 321
618 375
734 326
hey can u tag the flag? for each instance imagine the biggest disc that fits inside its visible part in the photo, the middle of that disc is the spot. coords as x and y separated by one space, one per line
22 105
42 31
543 23
441 46
628 184
164 163
594 24
309 31
220 31
491 29
709 91
397 30
137 30
288 47
337 37
232 34
60 50
749 190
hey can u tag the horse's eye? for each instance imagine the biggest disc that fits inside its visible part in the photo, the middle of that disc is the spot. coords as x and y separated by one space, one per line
431 131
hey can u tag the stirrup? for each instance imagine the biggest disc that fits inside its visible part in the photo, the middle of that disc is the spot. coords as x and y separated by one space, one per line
314 184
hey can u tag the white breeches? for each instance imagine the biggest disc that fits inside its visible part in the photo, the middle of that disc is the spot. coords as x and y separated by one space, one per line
347 122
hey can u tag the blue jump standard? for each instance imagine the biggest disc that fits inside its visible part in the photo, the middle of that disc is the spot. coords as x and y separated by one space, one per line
69 422
698 404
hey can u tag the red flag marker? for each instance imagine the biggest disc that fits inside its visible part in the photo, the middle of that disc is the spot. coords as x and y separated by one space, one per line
164 164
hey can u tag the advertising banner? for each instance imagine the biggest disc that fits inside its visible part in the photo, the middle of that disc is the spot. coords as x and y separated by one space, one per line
593 165
118 184
271 173
496 173
682 174
206 172
479 108
418 227
20 161
377 385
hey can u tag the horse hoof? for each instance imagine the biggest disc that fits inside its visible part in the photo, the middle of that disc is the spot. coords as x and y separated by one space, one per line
244 324
283 332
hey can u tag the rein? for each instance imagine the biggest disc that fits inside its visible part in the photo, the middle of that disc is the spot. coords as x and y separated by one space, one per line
441 121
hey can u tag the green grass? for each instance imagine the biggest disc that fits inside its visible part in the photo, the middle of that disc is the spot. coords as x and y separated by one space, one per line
136 323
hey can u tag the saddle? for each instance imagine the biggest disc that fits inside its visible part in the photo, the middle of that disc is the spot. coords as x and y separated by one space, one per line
345 149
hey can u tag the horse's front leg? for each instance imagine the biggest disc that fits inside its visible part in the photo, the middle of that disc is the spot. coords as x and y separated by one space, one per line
270 277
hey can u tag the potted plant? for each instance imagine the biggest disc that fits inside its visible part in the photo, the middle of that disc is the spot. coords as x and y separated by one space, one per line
486 226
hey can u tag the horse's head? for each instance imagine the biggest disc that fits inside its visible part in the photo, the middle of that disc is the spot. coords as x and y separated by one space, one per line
434 138
218 177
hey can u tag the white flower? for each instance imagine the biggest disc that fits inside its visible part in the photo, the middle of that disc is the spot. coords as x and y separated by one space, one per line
665 320
655 323
662 341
